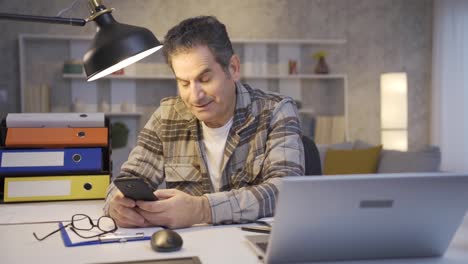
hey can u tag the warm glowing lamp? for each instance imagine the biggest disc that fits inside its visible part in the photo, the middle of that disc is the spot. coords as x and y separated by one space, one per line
394 110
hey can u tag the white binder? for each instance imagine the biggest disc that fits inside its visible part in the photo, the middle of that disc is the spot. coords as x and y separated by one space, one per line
55 120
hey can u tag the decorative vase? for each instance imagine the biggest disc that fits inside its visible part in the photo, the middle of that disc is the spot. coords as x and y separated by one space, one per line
78 106
104 107
322 66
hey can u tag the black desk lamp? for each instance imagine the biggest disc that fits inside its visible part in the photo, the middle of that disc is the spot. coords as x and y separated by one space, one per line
114 46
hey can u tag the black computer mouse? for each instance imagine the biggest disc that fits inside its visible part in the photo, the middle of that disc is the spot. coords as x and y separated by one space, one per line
166 240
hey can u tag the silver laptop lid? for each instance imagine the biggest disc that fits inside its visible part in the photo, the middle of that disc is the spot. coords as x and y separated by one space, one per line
367 216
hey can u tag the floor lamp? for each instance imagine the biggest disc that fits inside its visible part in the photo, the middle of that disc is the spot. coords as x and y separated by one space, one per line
394 110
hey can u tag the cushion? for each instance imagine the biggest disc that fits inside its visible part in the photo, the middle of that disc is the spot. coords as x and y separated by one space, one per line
323 150
355 161
359 144
425 160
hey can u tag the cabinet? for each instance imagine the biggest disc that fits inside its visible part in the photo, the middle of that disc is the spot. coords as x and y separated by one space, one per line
132 97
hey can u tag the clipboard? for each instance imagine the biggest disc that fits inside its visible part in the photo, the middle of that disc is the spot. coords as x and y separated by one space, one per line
122 235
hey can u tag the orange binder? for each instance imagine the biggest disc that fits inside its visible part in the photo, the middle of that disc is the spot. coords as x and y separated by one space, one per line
56 137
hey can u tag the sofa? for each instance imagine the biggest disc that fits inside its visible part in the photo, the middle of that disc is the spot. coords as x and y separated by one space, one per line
361 157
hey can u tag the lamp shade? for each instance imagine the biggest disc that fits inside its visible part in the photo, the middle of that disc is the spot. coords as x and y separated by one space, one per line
116 46
394 110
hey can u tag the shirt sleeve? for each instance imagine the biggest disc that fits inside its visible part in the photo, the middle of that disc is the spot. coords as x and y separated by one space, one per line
145 160
284 156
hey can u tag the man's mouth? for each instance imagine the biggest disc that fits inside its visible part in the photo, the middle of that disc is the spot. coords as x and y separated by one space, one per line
202 105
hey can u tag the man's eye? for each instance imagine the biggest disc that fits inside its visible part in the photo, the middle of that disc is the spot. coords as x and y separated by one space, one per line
184 84
205 79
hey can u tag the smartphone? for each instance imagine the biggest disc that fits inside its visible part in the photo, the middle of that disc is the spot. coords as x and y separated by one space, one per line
136 188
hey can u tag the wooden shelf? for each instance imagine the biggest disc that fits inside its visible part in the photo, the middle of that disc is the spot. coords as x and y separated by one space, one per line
290 41
297 76
169 77
334 41
280 50
122 77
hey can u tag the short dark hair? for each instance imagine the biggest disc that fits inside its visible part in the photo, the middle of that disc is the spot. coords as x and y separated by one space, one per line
201 30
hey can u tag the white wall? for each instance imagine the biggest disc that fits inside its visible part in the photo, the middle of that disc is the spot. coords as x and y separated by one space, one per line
382 36
450 83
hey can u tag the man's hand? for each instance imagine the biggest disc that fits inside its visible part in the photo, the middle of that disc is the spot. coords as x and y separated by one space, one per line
123 211
175 209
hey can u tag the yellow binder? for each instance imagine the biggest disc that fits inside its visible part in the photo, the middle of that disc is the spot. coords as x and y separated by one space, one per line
51 188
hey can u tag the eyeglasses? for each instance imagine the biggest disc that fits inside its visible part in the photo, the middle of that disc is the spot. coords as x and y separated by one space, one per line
85 223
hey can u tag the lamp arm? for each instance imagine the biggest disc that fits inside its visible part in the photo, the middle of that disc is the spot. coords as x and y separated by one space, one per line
44 19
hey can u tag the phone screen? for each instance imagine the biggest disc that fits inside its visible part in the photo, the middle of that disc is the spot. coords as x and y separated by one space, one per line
136 189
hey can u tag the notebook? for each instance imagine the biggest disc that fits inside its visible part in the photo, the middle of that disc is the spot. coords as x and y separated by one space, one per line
330 218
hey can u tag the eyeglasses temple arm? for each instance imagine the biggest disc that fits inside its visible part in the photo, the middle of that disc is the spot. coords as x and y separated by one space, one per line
60 228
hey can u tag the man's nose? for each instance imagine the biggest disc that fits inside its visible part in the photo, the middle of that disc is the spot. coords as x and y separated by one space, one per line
196 91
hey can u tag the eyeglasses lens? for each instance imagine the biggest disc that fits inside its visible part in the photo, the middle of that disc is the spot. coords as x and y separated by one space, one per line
82 222
106 224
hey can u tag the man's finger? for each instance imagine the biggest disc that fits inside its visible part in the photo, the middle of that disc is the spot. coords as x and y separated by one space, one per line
128 216
158 219
154 206
124 201
124 224
119 219
165 193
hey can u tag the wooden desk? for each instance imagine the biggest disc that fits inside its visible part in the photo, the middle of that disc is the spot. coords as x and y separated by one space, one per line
212 244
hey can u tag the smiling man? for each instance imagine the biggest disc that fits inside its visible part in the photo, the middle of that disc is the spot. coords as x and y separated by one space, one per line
220 146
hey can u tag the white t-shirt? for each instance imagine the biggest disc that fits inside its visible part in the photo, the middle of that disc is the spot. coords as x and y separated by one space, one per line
214 140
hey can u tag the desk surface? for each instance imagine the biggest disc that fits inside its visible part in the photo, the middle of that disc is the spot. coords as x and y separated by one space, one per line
212 244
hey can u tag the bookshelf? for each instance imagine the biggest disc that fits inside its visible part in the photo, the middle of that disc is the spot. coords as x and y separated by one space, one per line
144 84
266 65
246 77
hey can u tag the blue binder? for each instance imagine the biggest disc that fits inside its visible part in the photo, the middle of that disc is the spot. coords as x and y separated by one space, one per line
40 161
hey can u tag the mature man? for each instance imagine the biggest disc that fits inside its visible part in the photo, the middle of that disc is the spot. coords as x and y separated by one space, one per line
220 145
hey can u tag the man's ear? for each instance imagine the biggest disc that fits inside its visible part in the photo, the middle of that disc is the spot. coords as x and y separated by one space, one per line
234 67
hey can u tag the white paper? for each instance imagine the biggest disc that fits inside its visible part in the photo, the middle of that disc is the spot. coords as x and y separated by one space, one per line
33 159
39 188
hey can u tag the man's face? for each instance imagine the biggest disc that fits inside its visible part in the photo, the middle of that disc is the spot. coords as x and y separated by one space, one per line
207 91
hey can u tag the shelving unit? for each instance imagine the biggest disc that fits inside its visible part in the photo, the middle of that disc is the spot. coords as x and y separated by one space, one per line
171 77
298 76
122 77
265 66
41 62
290 41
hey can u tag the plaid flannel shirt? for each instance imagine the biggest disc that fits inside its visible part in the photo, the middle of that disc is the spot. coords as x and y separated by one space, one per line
263 145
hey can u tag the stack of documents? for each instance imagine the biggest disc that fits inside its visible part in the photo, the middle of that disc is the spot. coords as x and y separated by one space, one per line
55 156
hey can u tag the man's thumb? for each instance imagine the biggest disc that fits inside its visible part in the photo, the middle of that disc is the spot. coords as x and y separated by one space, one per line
165 193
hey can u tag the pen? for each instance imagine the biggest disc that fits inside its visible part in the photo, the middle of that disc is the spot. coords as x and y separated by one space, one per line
260 222
257 229
122 238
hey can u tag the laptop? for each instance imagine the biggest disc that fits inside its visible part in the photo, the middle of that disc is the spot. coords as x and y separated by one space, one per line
330 218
